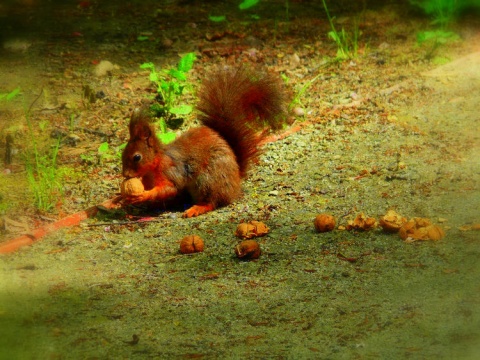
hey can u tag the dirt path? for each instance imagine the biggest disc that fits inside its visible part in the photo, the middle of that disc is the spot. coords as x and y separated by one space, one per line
106 290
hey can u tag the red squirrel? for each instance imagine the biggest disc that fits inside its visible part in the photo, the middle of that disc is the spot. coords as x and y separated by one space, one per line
236 108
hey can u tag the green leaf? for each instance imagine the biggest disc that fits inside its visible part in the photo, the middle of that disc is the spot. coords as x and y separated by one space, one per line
103 148
439 36
164 85
148 66
43 124
247 4
181 109
167 137
163 126
217 18
12 94
9 96
186 62
158 109
142 38
334 36
179 89
119 150
177 74
154 77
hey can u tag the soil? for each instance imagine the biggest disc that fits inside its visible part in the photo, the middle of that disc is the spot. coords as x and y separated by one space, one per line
394 127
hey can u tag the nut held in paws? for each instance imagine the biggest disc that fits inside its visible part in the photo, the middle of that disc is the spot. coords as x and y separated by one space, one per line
133 186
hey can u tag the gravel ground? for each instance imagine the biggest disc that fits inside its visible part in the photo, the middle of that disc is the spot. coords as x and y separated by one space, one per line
387 130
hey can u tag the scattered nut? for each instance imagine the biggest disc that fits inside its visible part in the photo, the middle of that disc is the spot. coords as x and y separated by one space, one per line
191 244
260 228
469 227
420 229
133 186
252 229
361 222
475 227
248 250
435 232
324 223
392 221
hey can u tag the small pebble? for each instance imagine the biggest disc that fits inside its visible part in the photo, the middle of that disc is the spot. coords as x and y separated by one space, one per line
298 111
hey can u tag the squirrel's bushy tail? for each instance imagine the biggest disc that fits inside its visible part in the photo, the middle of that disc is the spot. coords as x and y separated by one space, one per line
239 103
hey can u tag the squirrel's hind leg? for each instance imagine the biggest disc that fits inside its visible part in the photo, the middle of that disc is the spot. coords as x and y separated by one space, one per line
199 209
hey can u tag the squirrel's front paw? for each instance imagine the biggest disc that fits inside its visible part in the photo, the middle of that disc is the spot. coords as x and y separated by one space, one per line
196 210
137 198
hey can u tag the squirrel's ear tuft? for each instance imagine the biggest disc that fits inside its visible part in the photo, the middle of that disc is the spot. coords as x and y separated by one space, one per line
140 130
140 127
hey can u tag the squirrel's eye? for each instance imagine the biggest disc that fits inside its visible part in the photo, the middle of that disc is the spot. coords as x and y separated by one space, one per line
137 157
